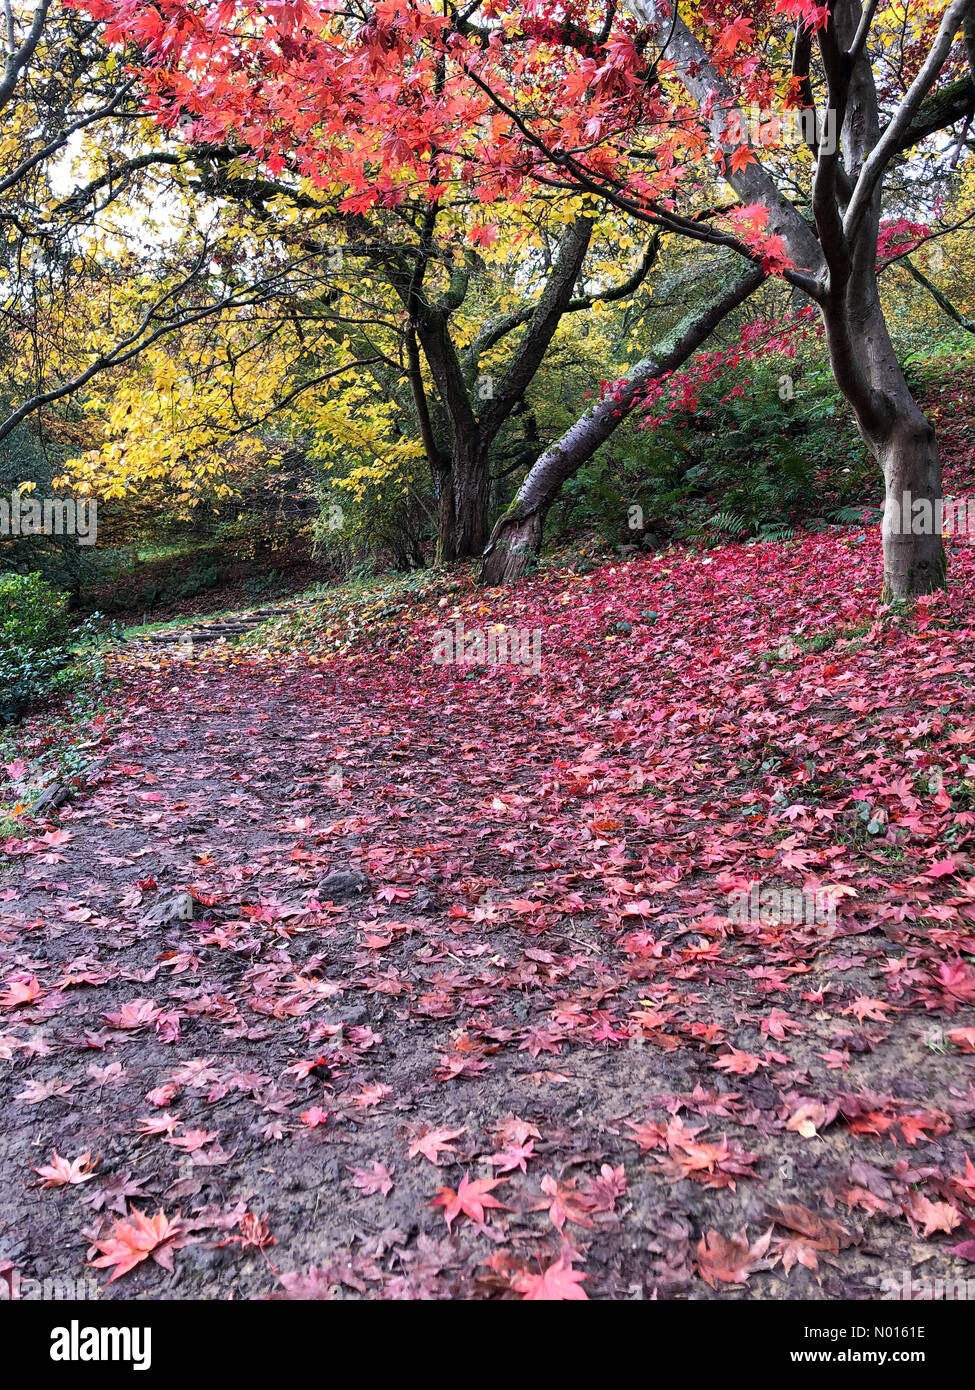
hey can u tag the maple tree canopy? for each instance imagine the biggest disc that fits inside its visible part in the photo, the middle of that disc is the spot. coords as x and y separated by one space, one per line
498 98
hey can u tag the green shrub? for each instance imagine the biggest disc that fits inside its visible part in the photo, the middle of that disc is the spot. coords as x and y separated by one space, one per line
33 640
739 465
200 577
25 458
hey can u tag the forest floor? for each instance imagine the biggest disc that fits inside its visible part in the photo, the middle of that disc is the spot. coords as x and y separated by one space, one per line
352 974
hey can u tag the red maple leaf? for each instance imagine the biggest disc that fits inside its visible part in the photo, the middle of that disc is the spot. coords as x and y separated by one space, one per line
61 1171
563 1203
431 1143
731 1259
558 1282
370 1181
472 1198
135 1240
935 1216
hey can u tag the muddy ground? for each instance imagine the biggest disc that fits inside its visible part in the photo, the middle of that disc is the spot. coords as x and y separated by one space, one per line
443 978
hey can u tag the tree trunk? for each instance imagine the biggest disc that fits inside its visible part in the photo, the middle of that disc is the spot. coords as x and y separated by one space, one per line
914 555
445 517
517 536
465 511
463 506
838 261
515 542
471 488
893 427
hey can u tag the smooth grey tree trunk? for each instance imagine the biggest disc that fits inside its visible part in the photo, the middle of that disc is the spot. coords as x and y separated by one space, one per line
517 536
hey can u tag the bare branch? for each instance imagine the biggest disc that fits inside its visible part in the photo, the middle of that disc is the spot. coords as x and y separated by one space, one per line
889 143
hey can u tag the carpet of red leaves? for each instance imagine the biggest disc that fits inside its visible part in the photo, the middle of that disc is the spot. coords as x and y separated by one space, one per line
525 1048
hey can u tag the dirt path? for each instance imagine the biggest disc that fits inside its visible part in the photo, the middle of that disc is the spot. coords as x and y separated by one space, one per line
395 931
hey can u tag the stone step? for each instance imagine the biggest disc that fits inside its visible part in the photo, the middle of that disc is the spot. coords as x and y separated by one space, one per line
228 627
